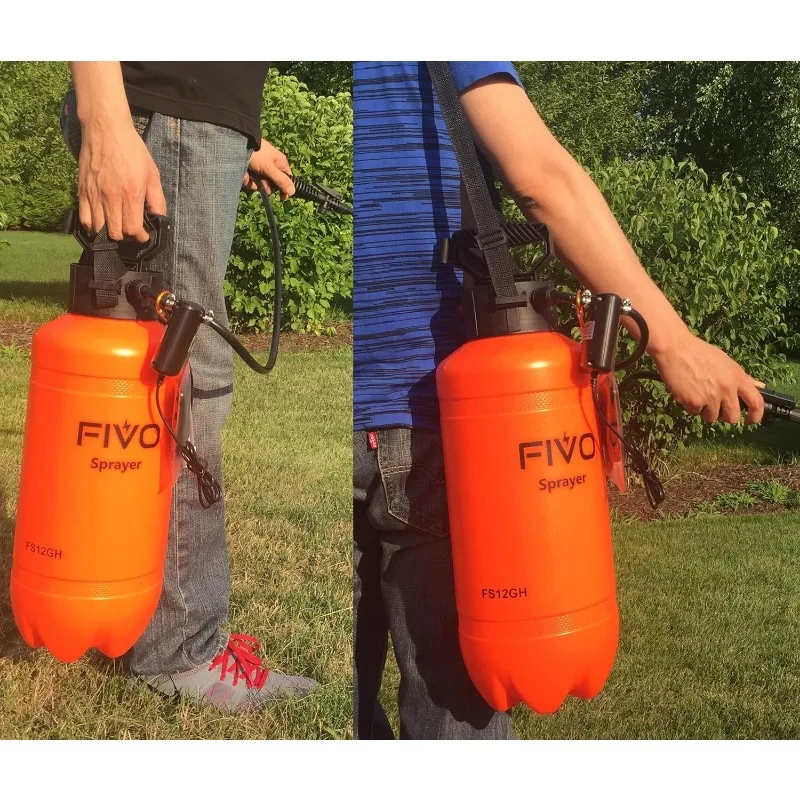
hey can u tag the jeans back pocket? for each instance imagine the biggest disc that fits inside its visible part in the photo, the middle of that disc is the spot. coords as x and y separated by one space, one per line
412 472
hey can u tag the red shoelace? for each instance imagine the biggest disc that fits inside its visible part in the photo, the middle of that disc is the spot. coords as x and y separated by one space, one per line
239 659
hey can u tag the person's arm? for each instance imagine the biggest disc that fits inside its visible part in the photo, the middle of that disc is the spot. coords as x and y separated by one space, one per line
550 186
116 174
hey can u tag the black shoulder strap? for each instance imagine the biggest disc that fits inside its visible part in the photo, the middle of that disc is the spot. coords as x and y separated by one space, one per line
491 237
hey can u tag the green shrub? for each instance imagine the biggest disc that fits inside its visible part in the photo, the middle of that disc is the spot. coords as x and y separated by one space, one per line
34 151
316 133
7 177
790 280
722 264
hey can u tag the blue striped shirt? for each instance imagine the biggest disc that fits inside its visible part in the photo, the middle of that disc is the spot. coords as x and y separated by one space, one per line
406 191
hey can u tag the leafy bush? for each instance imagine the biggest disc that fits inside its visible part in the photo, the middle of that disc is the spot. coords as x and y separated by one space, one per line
722 264
34 150
790 280
7 178
316 133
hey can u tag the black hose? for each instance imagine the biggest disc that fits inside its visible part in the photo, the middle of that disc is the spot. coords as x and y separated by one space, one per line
633 377
241 350
304 190
644 338
276 310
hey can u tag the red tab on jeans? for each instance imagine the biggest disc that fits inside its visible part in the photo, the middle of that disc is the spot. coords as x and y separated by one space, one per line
372 440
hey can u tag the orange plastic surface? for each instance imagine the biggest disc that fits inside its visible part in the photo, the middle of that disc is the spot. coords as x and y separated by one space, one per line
529 520
98 469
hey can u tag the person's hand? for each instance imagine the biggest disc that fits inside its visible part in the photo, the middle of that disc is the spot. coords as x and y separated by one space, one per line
271 162
706 381
117 177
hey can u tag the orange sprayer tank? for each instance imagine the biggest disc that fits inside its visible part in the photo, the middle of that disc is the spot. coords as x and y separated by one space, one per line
96 487
98 468
529 520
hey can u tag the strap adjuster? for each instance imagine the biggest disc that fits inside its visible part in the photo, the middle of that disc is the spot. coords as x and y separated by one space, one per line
104 286
491 240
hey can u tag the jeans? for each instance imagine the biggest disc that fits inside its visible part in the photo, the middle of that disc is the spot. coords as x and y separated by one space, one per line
403 587
201 168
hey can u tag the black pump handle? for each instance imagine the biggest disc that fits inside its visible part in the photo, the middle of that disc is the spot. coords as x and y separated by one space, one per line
604 342
131 251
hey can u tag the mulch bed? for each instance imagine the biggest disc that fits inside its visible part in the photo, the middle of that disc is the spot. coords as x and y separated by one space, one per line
21 333
686 489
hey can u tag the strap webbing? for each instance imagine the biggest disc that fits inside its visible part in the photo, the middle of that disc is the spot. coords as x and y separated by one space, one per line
102 254
491 238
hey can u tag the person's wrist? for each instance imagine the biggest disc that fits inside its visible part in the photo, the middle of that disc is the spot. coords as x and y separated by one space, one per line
101 116
666 339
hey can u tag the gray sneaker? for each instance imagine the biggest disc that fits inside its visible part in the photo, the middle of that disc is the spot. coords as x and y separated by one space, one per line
234 681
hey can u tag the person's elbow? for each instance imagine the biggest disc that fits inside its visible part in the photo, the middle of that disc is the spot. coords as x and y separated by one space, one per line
546 181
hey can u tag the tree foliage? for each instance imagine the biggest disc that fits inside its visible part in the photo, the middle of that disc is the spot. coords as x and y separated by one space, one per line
592 107
741 117
321 77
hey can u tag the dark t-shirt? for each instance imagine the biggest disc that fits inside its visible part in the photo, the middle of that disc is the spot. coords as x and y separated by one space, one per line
226 93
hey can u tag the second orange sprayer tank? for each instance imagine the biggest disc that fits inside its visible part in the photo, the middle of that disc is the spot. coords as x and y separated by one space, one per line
529 520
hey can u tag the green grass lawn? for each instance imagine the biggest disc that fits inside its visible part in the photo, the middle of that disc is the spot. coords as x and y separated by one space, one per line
34 274
288 470
709 636
710 631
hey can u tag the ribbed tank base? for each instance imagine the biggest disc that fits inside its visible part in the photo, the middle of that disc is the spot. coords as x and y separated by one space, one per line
541 662
70 617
